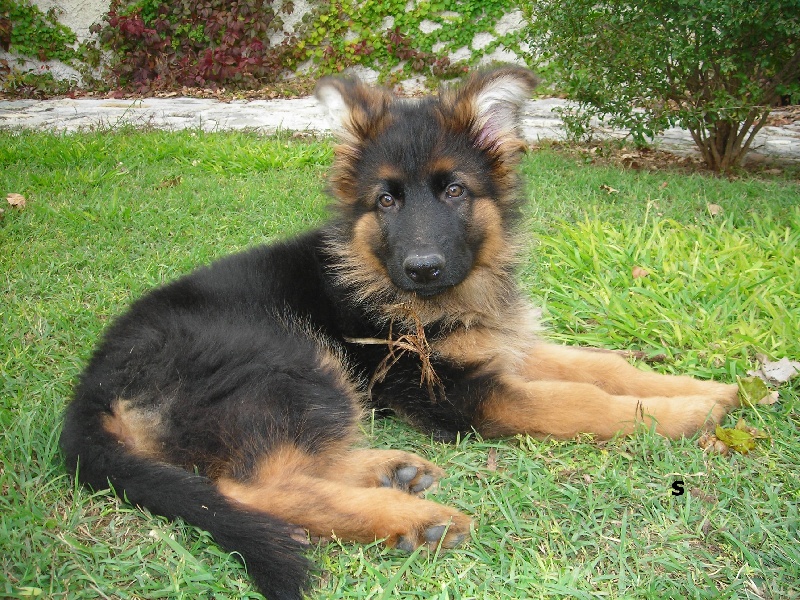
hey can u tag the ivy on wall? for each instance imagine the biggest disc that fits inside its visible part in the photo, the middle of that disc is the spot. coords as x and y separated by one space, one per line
158 44
419 40
30 32
26 31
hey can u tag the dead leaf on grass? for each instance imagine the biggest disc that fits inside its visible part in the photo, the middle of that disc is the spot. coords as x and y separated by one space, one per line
775 372
608 189
16 200
714 210
170 182
753 391
696 492
491 459
741 439
709 443
639 272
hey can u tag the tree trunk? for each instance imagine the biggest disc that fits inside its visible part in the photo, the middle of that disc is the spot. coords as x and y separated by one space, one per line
723 143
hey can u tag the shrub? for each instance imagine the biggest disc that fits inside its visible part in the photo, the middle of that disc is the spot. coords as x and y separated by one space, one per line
192 42
715 67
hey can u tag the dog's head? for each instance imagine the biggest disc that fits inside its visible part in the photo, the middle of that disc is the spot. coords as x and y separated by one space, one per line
426 188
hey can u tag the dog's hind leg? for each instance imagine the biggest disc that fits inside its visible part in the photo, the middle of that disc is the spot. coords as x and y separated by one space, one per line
322 496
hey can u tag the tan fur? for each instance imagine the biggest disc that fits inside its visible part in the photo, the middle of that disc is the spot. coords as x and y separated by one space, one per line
543 389
138 430
562 392
336 494
488 293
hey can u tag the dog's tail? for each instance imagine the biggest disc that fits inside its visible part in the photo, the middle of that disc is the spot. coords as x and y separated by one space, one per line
272 557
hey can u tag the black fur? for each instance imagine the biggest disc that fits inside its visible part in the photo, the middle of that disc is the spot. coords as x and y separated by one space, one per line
227 359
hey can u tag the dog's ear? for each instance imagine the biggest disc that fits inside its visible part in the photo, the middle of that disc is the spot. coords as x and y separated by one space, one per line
356 111
488 104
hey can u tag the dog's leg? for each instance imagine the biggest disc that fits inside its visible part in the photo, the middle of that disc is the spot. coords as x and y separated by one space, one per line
564 409
325 498
385 468
615 375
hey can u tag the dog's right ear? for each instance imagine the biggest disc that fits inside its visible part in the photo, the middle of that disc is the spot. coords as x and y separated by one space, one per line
357 112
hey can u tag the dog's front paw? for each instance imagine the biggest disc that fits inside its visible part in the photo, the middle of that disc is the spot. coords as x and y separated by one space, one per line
726 394
410 473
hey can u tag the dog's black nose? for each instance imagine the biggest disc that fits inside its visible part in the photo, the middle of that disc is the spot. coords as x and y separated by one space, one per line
424 269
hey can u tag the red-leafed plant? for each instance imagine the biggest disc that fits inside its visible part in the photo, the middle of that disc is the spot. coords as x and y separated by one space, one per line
194 43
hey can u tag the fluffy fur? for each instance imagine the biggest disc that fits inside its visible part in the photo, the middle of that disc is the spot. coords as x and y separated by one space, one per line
231 398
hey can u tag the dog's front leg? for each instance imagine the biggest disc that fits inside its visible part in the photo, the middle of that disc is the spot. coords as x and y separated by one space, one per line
613 374
561 392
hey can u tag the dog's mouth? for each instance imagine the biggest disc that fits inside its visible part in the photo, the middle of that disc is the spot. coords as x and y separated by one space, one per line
429 291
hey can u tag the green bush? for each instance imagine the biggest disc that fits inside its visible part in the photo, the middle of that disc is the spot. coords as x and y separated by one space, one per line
715 67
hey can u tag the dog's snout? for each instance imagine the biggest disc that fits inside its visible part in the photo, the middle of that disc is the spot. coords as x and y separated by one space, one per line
424 268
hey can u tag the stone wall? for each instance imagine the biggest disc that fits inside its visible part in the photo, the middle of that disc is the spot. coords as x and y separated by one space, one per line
80 15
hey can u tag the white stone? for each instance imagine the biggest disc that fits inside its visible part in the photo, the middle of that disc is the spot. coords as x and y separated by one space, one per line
462 53
78 15
501 55
56 68
510 22
427 26
364 73
481 40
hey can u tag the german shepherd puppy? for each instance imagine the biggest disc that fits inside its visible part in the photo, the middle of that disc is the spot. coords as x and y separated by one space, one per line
232 397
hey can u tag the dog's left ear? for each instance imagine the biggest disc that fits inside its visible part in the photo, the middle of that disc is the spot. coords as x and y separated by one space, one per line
488 104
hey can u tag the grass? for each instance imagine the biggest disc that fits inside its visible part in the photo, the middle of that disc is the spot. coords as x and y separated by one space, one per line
110 214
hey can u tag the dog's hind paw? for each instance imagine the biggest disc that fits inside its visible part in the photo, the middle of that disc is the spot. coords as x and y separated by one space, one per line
447 534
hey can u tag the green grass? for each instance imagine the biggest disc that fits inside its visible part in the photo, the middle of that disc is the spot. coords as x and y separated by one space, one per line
110 214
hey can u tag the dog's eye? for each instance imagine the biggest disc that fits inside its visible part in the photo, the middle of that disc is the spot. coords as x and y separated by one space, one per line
386 201
454 190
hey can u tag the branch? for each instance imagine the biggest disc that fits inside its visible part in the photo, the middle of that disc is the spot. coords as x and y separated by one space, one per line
752 136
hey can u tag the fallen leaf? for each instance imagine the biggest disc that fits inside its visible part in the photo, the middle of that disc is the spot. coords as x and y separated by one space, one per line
171 182
714 210
741 438
639 272
587 479
16 200
608 189
735 439
696 492
769 400
776 372
709 443
752 390
663 185
491 459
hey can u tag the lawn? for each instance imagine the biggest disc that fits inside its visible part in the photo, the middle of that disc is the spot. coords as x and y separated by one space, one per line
111 214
